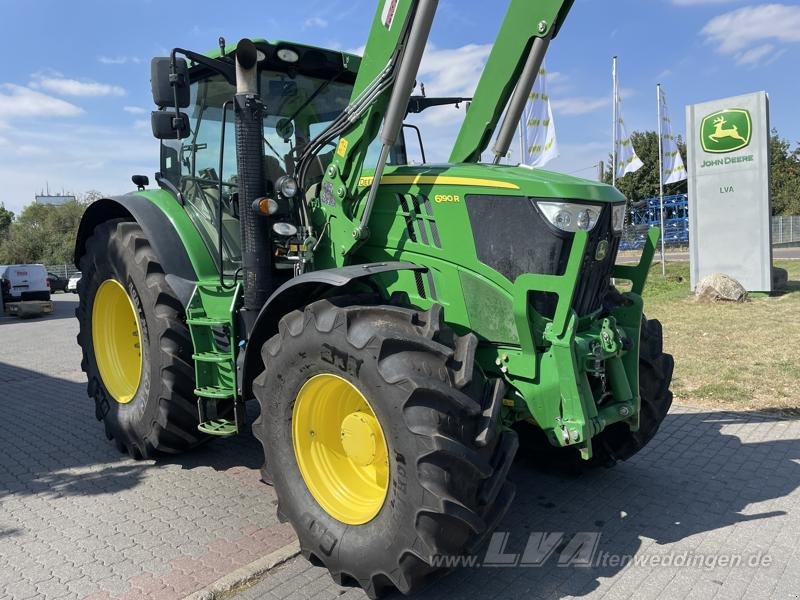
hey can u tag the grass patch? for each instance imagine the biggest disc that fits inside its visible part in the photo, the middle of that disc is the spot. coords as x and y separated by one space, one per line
742 356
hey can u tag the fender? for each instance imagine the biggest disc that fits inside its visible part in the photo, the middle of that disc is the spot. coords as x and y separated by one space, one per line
171 233
297 293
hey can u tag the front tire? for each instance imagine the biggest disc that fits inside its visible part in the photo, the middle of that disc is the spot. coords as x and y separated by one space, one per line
445 487
149 408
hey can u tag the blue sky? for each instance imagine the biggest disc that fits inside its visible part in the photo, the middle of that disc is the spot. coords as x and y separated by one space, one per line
74 82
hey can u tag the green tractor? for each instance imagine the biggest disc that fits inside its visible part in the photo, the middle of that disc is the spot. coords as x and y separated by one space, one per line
404 328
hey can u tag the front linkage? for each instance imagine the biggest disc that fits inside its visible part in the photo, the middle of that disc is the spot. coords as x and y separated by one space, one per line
575 376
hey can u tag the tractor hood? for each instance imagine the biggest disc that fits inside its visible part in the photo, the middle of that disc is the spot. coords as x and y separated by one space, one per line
500 179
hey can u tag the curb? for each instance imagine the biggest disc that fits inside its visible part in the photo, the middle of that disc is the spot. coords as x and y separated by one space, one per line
246 574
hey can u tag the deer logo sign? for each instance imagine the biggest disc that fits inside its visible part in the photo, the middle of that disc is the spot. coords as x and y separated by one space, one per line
726 131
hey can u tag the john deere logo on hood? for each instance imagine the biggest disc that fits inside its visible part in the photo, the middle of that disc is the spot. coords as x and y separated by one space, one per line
726 131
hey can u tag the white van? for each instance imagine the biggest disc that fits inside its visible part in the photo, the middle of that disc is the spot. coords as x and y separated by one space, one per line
25 289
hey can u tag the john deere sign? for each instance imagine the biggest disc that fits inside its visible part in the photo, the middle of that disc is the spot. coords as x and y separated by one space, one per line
729 204
726 131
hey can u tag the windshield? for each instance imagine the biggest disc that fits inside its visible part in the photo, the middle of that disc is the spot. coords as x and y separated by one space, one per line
297 108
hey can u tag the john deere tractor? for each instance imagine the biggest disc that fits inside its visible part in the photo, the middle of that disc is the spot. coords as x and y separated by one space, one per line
404 328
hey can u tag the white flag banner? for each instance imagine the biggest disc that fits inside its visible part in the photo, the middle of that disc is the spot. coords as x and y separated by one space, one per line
672 167
626 159
539 145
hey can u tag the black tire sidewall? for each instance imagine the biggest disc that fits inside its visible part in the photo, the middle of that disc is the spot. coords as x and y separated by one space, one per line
130 423
367 544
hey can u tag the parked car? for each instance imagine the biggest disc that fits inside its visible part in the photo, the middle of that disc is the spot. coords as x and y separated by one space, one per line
72 284
57 283
24 282
25 290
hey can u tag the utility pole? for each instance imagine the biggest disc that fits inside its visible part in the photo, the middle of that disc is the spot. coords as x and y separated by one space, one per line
614 125
661 179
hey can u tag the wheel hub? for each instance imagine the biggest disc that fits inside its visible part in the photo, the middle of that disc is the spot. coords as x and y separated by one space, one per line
360 433
340 449
116 340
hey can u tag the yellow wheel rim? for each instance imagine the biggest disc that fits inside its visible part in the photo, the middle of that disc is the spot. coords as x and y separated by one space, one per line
340 449
116 338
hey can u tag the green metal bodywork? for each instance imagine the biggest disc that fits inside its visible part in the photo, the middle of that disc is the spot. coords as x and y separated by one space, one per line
551 365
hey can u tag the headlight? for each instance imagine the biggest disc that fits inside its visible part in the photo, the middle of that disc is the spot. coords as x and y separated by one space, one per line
287 186
284 229
618 217
568 216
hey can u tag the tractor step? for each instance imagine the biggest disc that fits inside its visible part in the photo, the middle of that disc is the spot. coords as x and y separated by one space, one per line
207 321
211 357
215 392
219 427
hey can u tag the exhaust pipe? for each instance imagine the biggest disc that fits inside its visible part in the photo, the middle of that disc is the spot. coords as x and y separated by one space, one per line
256 236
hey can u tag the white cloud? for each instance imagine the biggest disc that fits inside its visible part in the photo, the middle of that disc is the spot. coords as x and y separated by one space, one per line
749 33
453 72
579 105
134 110
315 22
78 157
118 60
699 2
58 84
21 101
754 55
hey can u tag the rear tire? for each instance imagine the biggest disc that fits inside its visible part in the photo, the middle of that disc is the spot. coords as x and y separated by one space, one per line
447 458
161 416
617 442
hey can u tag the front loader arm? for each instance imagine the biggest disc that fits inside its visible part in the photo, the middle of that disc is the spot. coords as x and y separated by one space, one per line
526 20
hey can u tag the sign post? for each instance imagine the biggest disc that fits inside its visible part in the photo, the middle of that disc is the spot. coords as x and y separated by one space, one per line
729 202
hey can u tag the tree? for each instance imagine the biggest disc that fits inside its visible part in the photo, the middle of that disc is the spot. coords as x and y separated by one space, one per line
6 217
784 176
644 183
43 233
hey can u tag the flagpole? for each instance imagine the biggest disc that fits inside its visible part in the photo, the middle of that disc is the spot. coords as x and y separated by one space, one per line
614 124
661 178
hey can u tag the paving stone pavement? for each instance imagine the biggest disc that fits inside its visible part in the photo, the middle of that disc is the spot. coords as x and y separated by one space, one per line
79 520
682 519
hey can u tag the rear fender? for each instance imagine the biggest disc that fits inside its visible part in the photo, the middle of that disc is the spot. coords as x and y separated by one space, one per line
173 236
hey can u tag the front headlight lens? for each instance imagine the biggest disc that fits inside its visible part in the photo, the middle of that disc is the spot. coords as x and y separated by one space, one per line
287 186
618 217
570 216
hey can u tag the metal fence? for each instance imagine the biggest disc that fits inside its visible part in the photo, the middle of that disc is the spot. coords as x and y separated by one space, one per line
785 231
64 271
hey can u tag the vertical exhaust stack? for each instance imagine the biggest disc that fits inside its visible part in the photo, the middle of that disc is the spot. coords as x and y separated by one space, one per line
256 242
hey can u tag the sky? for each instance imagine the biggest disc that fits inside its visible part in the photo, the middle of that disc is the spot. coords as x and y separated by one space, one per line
75 94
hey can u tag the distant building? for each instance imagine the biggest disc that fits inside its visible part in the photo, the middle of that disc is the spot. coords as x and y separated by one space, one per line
58 199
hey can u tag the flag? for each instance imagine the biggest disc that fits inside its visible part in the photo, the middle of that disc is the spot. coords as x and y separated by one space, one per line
672 167
538 132
626 159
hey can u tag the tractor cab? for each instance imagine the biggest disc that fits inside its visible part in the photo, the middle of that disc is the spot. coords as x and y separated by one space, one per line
303 89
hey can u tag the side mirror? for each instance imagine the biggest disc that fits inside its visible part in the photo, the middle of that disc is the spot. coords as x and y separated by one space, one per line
140 181
164 85
167 125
